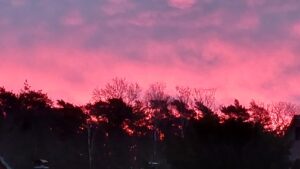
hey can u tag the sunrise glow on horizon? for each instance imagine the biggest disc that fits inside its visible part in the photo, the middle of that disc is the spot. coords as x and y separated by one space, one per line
245 49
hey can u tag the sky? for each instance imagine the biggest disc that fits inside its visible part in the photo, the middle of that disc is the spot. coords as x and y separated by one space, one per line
245 49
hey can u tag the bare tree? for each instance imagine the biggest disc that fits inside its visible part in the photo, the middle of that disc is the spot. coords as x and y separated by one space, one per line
183 105
184 94
205 96
118 88
156 91
133 92
157 109
281 114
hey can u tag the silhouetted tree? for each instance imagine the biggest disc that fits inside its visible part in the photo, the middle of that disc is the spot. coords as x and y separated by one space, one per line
116 130
9 105
182 132
118 89
281 114
205 96
35 108
235 143
260 116
236 111
69 119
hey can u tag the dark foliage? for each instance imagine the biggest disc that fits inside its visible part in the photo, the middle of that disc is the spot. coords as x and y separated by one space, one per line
130 136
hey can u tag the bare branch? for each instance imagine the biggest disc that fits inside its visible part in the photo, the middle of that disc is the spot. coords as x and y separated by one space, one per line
118 88
205 96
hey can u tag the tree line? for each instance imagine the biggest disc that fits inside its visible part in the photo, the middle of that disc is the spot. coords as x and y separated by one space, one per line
122 128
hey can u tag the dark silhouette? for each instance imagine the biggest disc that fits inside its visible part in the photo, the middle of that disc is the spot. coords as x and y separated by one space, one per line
126 131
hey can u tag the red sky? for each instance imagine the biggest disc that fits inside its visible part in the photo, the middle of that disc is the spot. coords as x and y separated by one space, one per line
246 49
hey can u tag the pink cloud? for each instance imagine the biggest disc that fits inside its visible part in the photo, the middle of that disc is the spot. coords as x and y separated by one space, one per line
210 49
255 3
3 22
281 7
17 3
55 70
242 73
145 19
248 21
296 29
182 4
245 73
215 18
113 7
73 18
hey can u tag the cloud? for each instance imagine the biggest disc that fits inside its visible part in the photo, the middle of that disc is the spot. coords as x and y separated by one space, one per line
241 72
248 22
114 7
73 18
17 3
182 4
145 19
296 30
255 3
245 50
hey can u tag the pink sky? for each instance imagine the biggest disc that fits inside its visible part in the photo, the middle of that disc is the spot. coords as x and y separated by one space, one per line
246 49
